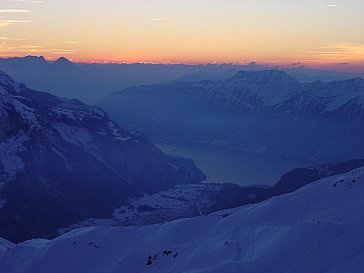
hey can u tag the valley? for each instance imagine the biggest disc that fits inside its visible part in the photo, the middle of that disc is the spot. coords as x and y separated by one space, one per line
181 136
264 112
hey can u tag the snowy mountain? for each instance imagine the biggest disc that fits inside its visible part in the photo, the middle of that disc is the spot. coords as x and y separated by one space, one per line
92 82
315 229
248 91
252 111
62 161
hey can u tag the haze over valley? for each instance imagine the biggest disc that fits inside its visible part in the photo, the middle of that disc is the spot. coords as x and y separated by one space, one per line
181 136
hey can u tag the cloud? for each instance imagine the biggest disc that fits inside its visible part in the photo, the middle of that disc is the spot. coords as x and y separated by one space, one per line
14 10
15 21
27 1
332 5
157 19
31 46
5 22
53 50
341 52
18 39
2 38
7 49
70 42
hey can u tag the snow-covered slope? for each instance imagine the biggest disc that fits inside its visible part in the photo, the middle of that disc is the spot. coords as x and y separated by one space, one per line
64 161
315 229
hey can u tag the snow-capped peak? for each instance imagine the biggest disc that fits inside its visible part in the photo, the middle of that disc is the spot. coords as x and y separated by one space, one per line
263 77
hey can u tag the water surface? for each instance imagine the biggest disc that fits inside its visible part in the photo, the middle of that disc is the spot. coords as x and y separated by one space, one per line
225 166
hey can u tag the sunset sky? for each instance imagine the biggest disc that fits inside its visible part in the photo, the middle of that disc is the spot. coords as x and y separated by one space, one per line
186 31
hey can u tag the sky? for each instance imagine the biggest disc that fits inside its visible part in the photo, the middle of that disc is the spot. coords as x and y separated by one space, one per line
316 32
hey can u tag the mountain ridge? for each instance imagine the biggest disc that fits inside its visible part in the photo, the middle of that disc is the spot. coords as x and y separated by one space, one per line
90 82
62 160
250 112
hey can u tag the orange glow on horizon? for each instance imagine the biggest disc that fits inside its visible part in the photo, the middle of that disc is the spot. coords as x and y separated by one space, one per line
281 32
353 66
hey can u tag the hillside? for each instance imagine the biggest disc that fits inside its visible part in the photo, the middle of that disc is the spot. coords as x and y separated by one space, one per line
62 161
315 229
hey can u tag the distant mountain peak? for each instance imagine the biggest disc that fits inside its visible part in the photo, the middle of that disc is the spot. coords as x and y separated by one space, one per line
263 76
354 84
62 64
32 60
31 57
63 60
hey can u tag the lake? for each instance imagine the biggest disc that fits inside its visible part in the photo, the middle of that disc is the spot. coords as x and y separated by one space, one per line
223 166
